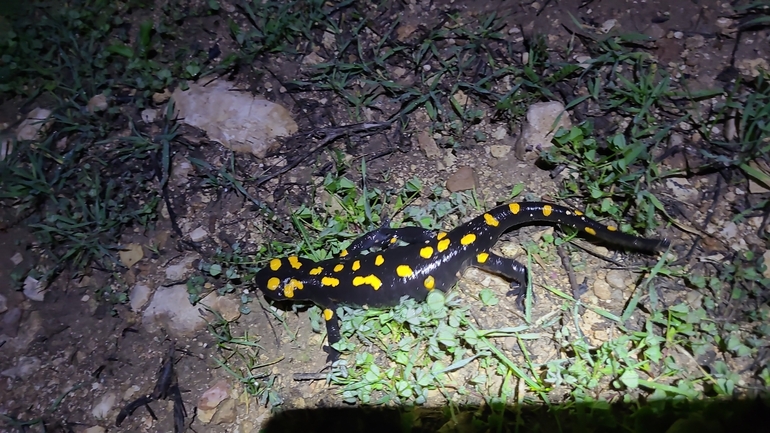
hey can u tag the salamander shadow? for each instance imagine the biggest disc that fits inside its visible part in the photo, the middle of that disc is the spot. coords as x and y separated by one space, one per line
670 416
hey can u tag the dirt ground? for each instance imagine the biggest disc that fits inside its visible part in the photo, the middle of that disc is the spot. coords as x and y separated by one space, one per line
75 361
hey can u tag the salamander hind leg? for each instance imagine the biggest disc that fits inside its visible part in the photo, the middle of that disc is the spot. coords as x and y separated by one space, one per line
509 269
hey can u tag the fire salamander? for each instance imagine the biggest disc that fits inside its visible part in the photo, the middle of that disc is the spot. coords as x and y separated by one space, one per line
430 261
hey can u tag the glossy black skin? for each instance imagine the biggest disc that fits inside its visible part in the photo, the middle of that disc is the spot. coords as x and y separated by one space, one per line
444 266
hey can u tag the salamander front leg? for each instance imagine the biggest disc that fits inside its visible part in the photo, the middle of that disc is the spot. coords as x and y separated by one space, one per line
384 236
332 332
510 269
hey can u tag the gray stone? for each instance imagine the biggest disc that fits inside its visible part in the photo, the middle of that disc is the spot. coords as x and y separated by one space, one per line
139 296
170 309
602 290
24 368
105 404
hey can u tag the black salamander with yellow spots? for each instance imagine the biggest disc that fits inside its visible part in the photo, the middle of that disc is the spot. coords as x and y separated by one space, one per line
430 261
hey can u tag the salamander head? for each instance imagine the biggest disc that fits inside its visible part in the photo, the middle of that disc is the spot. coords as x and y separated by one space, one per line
278 286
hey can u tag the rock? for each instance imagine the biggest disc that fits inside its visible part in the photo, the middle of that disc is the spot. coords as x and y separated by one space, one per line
17 259
729 231
37 121
226 413
131 254
675 139
205 415
756 184
95 429
694 42
236 119
24 368
682 189
590 322
102 408
461 98
97 103
405 31
655 32
180 171
130 392
139 296
617 279
312 59
178 271
608 25
539 129
500 133
9 325
499 151
161 97
602 289
752 67
3 304
227 307
462 180
727 26
198 234
170 309
329 40
449 158
149 115
211 398
428 145
33 289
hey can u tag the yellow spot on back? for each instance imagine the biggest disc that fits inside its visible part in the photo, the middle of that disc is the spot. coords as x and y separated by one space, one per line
578 213
328 314
404 271
426 252
344 252
292 285
443 244
393 240
273 283
330 281
514 207
482 257
547 209
612 228
339 267
294 262
590 231
316 271
468 239
275 264
379 260
429 283
356 265
371 280
491 221
441 235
